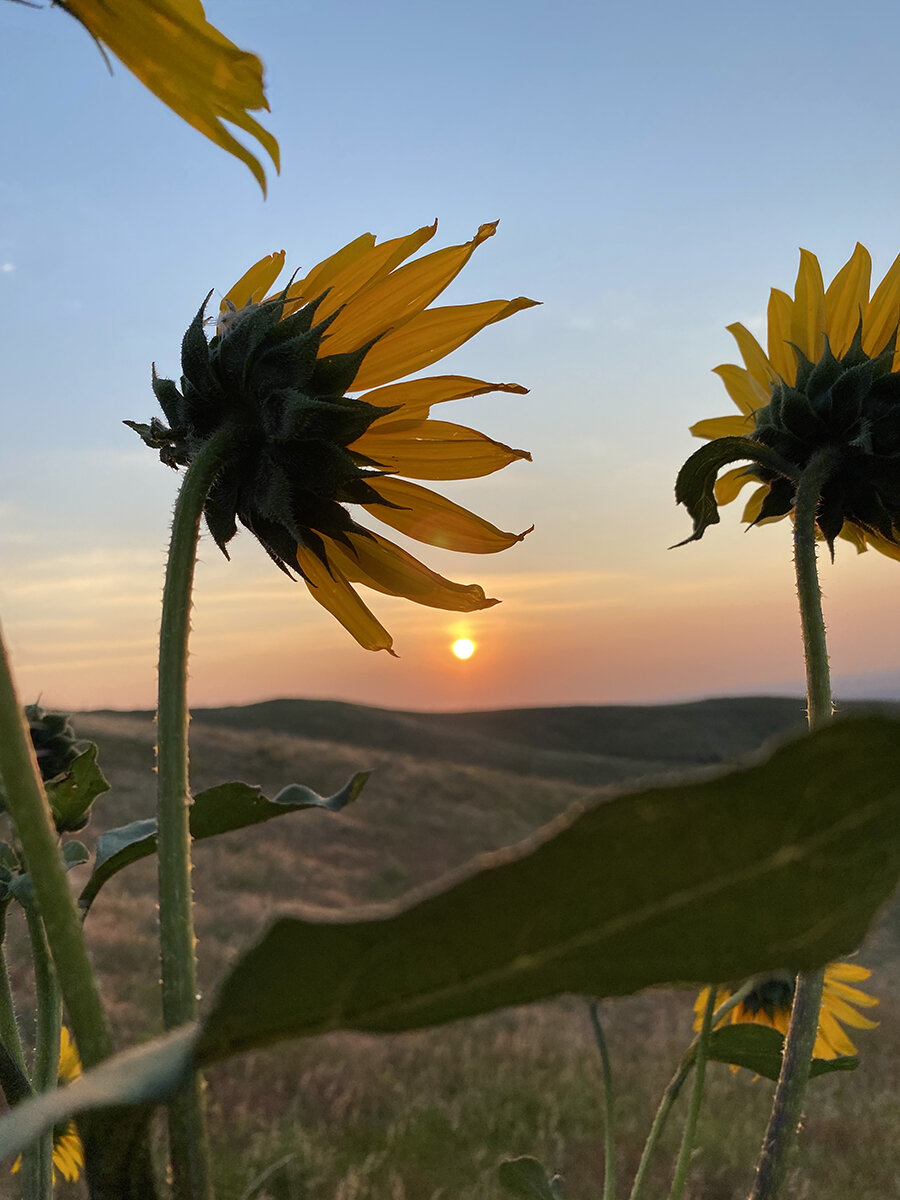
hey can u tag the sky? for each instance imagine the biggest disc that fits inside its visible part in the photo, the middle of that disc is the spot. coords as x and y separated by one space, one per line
655 169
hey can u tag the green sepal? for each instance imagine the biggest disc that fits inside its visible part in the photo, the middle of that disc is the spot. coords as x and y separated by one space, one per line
246 332
284 365
527 1178
195 350
221 809
695 485
759 1048
334 373
170 400
72 795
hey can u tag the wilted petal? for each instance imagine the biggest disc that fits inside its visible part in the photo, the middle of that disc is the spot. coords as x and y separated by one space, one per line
430 517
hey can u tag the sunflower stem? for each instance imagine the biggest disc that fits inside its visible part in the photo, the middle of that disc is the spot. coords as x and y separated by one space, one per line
690 1126
787 1104
30 812
609 1126
674 1086
188 1142
10 1037
38 1159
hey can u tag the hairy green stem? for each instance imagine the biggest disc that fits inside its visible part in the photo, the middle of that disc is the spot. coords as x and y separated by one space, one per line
787 1104
32 818
38 1159
674 1086
10 1037
609 1115
187 1124
690 1126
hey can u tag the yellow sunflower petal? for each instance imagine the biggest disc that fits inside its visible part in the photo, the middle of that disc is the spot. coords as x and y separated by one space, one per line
882 545
716 427
334 593
379 564
754 504
69 1062
846 300
255 283
883 312
404 294
323 274
372 266
185 61
428 337
852 994
436 450
746 391
728 486
808 318
780 318
416 396
431 518
68 1154
754 357
853 535
831 1033
847 970
846 1013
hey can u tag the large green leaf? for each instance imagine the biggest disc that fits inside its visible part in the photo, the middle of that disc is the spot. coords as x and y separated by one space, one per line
220 809
758 1048
779 865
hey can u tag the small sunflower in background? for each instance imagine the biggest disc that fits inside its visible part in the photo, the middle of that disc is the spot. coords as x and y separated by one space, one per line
68 1152
830 377
273 383
771 999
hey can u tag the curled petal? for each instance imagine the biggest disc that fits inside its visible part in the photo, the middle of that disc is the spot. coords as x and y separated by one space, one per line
716 427
384 566
333 591
415 397
435 450
430 517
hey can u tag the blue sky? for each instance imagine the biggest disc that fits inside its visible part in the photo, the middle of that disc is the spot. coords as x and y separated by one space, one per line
655 169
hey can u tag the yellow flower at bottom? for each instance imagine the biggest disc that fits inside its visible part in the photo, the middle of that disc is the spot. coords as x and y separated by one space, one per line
830 377
68 1153
770 1004
275 380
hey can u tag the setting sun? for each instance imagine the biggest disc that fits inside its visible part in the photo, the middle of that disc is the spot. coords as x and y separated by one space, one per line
463 648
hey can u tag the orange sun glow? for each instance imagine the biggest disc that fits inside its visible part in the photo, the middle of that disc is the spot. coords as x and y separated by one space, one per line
463 648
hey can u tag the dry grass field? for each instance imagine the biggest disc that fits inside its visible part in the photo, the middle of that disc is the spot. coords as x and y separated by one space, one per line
427 1116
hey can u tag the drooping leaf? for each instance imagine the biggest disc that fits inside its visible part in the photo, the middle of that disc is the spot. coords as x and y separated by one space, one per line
527 1178
777 865
759 1048
74 854
72 796
696 481
220 809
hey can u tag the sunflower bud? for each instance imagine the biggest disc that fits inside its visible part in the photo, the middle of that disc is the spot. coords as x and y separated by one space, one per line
54 741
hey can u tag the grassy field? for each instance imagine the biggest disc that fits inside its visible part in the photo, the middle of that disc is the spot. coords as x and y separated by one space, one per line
429 1115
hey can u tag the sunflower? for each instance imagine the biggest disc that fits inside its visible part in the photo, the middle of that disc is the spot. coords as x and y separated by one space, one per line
185 61
68 1153
276 374
830 377
770 1004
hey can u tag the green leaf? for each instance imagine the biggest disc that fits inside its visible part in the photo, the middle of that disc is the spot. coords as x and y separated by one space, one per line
694 487
74 854
20 886
221 809
759 1048
111 1104
527 1178
71 796
779 865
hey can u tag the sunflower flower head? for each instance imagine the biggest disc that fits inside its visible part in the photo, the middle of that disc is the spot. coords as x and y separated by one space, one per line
273 382
68 1152
770 1001
829 379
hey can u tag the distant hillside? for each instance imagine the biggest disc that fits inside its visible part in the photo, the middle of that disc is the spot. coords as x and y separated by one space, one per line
591 745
